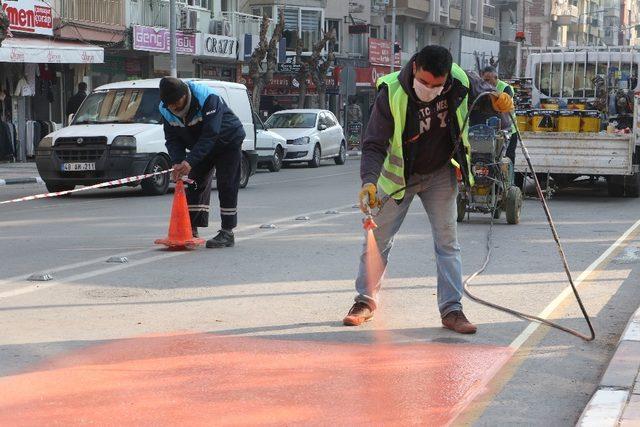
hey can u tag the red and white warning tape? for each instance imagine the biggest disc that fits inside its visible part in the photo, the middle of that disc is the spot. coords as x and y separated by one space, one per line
90 187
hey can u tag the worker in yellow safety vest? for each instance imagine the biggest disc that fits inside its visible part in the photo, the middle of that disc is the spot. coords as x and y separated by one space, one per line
490 75
409 149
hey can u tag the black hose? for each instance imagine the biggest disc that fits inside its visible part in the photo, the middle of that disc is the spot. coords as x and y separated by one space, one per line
554 232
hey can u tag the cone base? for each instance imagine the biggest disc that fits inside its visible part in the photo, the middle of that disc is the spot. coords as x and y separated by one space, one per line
180 245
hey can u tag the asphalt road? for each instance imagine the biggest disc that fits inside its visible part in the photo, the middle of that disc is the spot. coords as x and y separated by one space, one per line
282 293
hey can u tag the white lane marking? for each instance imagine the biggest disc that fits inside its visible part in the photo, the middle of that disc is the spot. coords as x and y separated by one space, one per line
304 179
54 270
526 334
41 286
604 408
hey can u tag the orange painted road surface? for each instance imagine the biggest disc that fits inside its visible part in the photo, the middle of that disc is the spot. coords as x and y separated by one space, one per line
208 379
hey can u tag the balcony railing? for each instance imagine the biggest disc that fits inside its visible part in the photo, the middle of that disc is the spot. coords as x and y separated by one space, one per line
104 12
242 23
152 13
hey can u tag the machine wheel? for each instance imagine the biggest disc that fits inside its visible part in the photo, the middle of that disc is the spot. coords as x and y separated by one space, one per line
341 158
276 162
461 203
244 171
615 186
159 184
513 204
54 188
497 213
315 161
632 185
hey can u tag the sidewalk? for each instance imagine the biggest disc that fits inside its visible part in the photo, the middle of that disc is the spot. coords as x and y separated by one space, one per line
616 402
19 173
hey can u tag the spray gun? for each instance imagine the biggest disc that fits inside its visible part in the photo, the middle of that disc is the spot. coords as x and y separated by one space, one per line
368 223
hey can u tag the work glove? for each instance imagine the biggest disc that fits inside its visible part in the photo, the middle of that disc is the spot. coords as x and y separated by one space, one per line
502 102
180 170
368 197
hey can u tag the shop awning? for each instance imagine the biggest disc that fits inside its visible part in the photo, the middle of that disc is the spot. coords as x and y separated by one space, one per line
46 51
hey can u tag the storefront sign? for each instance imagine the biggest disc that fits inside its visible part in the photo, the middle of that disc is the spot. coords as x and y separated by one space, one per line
44 51
380 52
29 16
365 76
217 46
154 39
285 84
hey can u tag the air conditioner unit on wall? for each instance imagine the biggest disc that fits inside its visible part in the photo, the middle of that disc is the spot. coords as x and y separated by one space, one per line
188 20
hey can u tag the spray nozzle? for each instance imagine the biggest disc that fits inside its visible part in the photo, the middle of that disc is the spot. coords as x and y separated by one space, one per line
368 223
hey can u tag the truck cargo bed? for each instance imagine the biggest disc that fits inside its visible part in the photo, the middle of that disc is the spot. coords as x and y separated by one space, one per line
577 153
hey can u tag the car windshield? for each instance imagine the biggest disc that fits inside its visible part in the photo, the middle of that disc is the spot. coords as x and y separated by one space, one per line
292 120
130 105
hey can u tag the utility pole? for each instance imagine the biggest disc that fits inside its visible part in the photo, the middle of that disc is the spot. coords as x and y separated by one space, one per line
172 41
393 36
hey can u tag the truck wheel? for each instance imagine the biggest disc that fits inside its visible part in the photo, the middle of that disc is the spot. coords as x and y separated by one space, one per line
632 185
513 205
244 171
159 184
615 186
276 162
461 203
54 188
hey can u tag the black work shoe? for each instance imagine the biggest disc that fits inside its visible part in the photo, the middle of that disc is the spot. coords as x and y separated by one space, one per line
194 231
359 313
457 321
224 239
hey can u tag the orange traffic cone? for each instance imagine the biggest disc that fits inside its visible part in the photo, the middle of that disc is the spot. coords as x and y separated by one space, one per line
180 235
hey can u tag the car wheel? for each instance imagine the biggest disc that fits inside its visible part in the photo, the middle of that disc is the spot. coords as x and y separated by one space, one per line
244 171
159 184
341 158
315 161
55 188
276 162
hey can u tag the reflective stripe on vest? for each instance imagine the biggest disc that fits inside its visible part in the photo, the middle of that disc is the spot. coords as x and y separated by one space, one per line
502 86
392 175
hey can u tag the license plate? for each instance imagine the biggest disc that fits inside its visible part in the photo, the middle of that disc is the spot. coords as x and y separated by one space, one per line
78 167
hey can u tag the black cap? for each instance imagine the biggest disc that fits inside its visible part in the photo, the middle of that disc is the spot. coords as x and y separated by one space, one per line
172 89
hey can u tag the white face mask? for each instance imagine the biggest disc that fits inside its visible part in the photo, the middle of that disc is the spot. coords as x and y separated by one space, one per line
424 93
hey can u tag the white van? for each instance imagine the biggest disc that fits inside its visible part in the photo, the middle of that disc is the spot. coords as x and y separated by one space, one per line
118 133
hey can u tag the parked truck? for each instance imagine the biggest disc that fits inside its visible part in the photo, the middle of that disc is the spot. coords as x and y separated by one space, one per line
582 115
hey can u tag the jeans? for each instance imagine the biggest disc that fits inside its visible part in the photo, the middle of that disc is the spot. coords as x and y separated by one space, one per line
438 192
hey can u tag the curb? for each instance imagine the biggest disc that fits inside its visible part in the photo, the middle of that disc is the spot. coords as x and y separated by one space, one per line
14 181
616 402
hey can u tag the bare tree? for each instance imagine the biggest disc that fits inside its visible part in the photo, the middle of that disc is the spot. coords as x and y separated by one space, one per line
266 50
319 72
315 67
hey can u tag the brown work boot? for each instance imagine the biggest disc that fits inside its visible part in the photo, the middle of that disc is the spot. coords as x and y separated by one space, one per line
359 313
456 321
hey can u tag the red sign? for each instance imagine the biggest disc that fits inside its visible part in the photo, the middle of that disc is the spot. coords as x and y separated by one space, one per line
366 77
380 52
29 16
